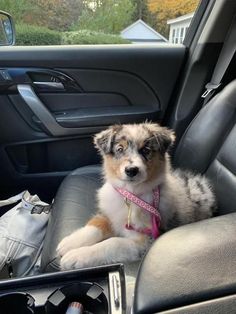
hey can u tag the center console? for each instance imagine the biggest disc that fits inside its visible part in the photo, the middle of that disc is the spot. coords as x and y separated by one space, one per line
99 290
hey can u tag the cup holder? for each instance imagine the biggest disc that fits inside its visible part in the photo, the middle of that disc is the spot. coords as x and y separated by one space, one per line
15 303
90 295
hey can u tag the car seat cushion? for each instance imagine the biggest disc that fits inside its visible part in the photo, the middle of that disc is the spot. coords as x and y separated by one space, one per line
74 204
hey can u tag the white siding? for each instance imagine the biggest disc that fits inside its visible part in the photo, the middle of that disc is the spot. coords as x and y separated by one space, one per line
179 27
178 31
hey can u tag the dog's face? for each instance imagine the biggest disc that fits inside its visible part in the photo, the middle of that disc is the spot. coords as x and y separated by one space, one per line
134 153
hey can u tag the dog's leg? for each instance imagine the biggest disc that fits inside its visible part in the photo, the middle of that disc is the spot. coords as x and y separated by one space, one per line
108 251
97 229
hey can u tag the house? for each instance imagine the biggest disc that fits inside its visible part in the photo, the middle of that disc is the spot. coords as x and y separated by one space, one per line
179 27
140 32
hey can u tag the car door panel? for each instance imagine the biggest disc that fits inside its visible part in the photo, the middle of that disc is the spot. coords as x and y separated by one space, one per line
82 89
118 95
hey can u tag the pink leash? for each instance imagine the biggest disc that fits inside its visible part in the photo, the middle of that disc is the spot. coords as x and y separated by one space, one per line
153 210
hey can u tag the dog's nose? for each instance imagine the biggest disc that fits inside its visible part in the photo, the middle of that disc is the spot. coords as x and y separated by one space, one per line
131 171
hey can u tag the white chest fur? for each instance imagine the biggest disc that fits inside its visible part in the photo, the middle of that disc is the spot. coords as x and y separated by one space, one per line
112 204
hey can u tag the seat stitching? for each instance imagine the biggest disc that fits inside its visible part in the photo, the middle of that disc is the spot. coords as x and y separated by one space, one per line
227 168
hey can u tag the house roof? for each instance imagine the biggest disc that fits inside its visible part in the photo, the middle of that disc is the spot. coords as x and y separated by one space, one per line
180 18
152 31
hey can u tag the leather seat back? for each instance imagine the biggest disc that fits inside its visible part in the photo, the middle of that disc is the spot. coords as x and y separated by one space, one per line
209 146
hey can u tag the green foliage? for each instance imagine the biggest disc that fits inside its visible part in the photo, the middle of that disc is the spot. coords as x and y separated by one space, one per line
108 16
17 8
54 14
35 35
88 37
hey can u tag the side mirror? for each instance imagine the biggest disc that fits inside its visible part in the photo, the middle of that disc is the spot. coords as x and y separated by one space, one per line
7 29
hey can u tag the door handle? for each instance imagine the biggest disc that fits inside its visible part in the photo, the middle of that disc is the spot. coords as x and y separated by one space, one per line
54 86
43 114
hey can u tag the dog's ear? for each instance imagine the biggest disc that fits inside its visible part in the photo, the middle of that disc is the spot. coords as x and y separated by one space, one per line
104 140
163 136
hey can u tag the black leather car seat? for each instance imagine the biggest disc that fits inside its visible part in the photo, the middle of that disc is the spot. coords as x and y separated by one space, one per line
208 146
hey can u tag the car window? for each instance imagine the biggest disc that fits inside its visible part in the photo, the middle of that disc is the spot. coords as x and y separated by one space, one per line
70 22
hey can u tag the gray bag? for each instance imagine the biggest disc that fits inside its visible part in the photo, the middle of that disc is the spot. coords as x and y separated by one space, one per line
22 231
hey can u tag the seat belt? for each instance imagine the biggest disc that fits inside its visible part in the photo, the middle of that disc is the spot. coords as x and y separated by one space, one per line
225 57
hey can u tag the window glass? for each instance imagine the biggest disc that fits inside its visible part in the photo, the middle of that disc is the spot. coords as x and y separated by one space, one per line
56 22
177 32
173 36
181 35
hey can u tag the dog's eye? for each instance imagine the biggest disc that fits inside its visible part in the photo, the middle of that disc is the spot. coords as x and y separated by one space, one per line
145 151
120 149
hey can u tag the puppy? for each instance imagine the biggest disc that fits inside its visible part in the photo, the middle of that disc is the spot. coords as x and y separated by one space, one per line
136 162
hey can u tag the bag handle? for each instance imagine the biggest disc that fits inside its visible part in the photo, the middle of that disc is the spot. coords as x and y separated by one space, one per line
12 200
30 202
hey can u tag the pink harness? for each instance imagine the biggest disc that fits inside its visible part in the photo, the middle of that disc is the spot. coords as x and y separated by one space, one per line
153 210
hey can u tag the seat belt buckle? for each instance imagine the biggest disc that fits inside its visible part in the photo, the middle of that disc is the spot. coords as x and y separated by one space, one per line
206 93
209 88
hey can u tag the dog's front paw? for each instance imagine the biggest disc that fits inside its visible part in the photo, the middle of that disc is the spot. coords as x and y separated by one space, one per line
77 258
66 245
85 236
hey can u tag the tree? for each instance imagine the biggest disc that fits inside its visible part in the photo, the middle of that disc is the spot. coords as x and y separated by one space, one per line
143 12
18 8
56 14
109 16
168 9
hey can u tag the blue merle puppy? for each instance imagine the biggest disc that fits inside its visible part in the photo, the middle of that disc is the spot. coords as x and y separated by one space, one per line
135 159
